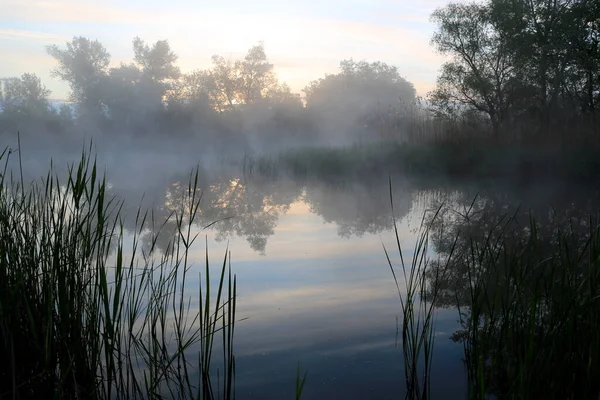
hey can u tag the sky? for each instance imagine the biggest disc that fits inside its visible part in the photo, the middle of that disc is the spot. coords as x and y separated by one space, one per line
303 39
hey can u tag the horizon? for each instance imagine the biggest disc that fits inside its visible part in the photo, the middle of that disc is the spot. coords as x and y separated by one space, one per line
304 41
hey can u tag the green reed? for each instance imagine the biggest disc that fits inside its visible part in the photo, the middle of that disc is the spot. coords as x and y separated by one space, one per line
83 315
418 311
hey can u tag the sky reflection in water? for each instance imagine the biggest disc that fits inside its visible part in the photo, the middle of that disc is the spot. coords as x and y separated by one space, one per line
325 298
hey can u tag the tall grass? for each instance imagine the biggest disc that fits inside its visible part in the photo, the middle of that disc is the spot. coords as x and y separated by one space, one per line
529 304
528 297
83 315
418 310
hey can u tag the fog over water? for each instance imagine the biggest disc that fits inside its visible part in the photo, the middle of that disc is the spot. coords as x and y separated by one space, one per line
314 285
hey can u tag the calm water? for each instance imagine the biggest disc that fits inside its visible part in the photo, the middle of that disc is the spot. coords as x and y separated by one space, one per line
314 284
313 281
322 295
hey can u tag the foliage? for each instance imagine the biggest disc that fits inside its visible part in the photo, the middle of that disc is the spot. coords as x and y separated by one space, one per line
344 100
520 62
83 64
24 97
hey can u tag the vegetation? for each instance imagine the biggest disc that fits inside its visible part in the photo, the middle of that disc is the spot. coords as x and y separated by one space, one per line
529 297
429 161
530 67
418 312
82 316
521 74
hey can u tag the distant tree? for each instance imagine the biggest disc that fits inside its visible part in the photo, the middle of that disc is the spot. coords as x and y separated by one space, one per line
121 94
65 115
24 97
344 100
359 86
84 64
242 82
157 62
255 76
158 69
188 103
192 88
222 83
281 95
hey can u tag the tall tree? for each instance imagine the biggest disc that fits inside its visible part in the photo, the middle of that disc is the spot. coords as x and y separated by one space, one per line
84 64
246 81
345 101
121 93
222 83
541 34
481 74
360 86
24 97
159 72
157 62
255 76
520 60
192 88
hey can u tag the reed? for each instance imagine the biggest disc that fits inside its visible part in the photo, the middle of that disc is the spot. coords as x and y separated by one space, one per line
418 309
83 315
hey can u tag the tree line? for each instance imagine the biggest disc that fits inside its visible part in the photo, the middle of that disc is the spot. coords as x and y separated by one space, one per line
151 94
517 68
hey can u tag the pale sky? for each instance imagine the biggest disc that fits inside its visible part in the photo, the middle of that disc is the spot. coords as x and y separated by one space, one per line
304 39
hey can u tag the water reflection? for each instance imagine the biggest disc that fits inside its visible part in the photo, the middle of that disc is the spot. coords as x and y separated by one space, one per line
504 211
252 208
313 279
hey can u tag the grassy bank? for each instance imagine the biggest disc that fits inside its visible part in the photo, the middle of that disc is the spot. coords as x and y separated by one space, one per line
468 160
84 314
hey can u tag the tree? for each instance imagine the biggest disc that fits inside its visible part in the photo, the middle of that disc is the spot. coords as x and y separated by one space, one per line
121 94
481 74
255 76
222 83
243 82
281 95
157 63
359 87
580 80
24 97
158 75
541 34
188 103
84 65
345 100
192 87
519 61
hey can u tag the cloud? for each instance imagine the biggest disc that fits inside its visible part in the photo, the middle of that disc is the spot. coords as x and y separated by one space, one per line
22 34
69 11
303 47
